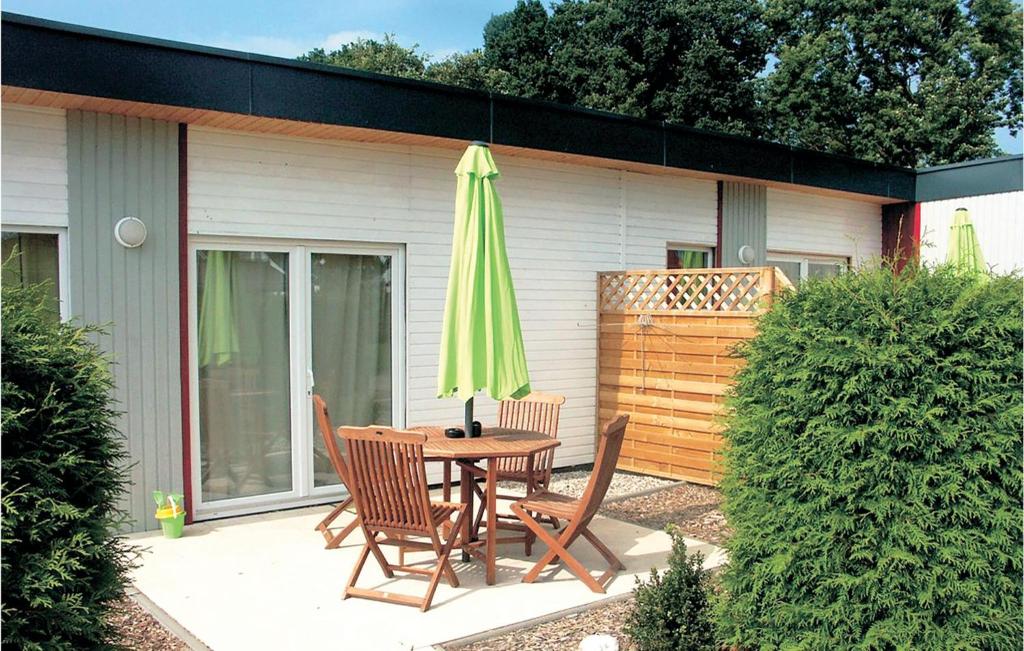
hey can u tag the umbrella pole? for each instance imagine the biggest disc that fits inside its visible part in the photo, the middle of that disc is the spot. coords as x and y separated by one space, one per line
468 425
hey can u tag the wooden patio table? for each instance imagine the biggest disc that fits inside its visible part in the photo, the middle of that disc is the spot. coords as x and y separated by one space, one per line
494 444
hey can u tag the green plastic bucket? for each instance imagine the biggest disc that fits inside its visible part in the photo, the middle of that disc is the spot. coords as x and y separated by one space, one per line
170 511
172 524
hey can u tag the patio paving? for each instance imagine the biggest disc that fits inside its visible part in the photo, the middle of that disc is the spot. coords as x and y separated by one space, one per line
266 582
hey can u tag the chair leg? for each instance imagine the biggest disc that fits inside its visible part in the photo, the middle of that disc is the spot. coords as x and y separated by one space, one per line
335 541
443 568
356 570
324 526
371 542
556 548
613 561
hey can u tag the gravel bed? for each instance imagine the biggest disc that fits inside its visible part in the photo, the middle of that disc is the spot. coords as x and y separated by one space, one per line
564 633
695 509
574 482
139 631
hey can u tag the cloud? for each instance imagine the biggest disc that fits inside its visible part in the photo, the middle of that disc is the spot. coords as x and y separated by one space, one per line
290 47
443 53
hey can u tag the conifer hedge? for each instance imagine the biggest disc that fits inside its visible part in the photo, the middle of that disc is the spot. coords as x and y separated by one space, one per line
873 468
62 474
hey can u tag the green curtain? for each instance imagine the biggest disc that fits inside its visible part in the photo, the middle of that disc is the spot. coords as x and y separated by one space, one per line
38 261
352 347
244 387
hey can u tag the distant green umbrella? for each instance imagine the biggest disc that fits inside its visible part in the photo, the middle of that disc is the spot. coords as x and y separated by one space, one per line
218 337
481 340
964 251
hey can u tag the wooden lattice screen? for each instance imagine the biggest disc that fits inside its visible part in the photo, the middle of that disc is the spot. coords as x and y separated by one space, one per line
664 357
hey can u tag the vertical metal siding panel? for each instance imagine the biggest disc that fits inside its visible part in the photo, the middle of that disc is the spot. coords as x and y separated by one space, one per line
744 221
117 167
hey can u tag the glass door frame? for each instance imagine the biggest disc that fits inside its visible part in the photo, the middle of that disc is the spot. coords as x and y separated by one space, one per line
300 355
396 253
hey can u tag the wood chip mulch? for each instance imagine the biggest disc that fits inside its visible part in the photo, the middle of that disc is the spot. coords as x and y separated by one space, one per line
564 633
139 631
695 509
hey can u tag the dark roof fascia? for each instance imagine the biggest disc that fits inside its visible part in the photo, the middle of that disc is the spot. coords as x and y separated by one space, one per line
47 55
971 179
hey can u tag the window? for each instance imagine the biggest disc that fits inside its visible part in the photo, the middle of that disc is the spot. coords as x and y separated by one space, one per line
39 255
799 267
685 256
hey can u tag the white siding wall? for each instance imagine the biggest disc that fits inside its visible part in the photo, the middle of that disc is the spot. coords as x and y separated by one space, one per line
563 224
34 186
805 223
998 221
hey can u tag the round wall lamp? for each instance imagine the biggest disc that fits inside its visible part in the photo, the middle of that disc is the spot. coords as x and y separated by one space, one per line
130 232
746 254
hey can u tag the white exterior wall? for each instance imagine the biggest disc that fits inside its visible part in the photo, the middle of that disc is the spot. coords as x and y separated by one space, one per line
563 224
34 183
998 221
814 224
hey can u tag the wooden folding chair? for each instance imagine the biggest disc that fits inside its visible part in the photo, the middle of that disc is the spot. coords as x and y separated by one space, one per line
537 412
578 513
389 483
323 419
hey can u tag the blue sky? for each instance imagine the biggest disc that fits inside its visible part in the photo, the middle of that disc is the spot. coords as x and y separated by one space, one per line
288 29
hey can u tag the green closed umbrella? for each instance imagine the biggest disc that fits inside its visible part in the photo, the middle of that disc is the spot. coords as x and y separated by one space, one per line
218 338
481 340
964 251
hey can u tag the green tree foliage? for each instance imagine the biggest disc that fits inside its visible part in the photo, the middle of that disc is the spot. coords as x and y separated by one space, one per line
672 610
517 45
912 82
62 468
689 62
387 57
873 467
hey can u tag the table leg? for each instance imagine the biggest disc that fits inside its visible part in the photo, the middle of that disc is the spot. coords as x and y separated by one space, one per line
531 486
466 497
446 493
492 518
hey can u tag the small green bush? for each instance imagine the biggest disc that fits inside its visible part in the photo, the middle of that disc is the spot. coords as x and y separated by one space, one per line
672 610
873 468
63 563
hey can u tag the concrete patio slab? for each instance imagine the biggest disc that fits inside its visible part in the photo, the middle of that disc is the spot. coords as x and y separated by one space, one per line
266 582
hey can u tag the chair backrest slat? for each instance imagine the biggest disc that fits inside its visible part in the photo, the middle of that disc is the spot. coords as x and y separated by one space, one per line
388 478
608 450
537 412
323 420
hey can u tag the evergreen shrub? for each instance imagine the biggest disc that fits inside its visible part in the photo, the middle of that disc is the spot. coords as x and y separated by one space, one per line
62 469
672 610
873 467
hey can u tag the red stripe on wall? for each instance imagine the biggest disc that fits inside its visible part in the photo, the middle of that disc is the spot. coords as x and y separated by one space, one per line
718 228
183 360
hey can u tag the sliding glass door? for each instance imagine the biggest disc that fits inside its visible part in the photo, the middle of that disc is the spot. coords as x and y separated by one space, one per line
272 324
351 352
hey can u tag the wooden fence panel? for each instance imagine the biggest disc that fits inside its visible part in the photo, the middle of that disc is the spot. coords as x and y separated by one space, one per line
664 357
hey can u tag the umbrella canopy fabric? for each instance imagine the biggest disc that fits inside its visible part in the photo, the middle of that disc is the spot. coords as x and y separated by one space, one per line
481 340
963 250
218 338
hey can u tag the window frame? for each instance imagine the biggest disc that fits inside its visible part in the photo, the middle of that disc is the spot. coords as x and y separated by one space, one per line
63 275
709 249
805 260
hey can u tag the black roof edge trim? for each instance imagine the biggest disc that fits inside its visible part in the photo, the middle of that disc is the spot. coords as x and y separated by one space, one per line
971 178
197 76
